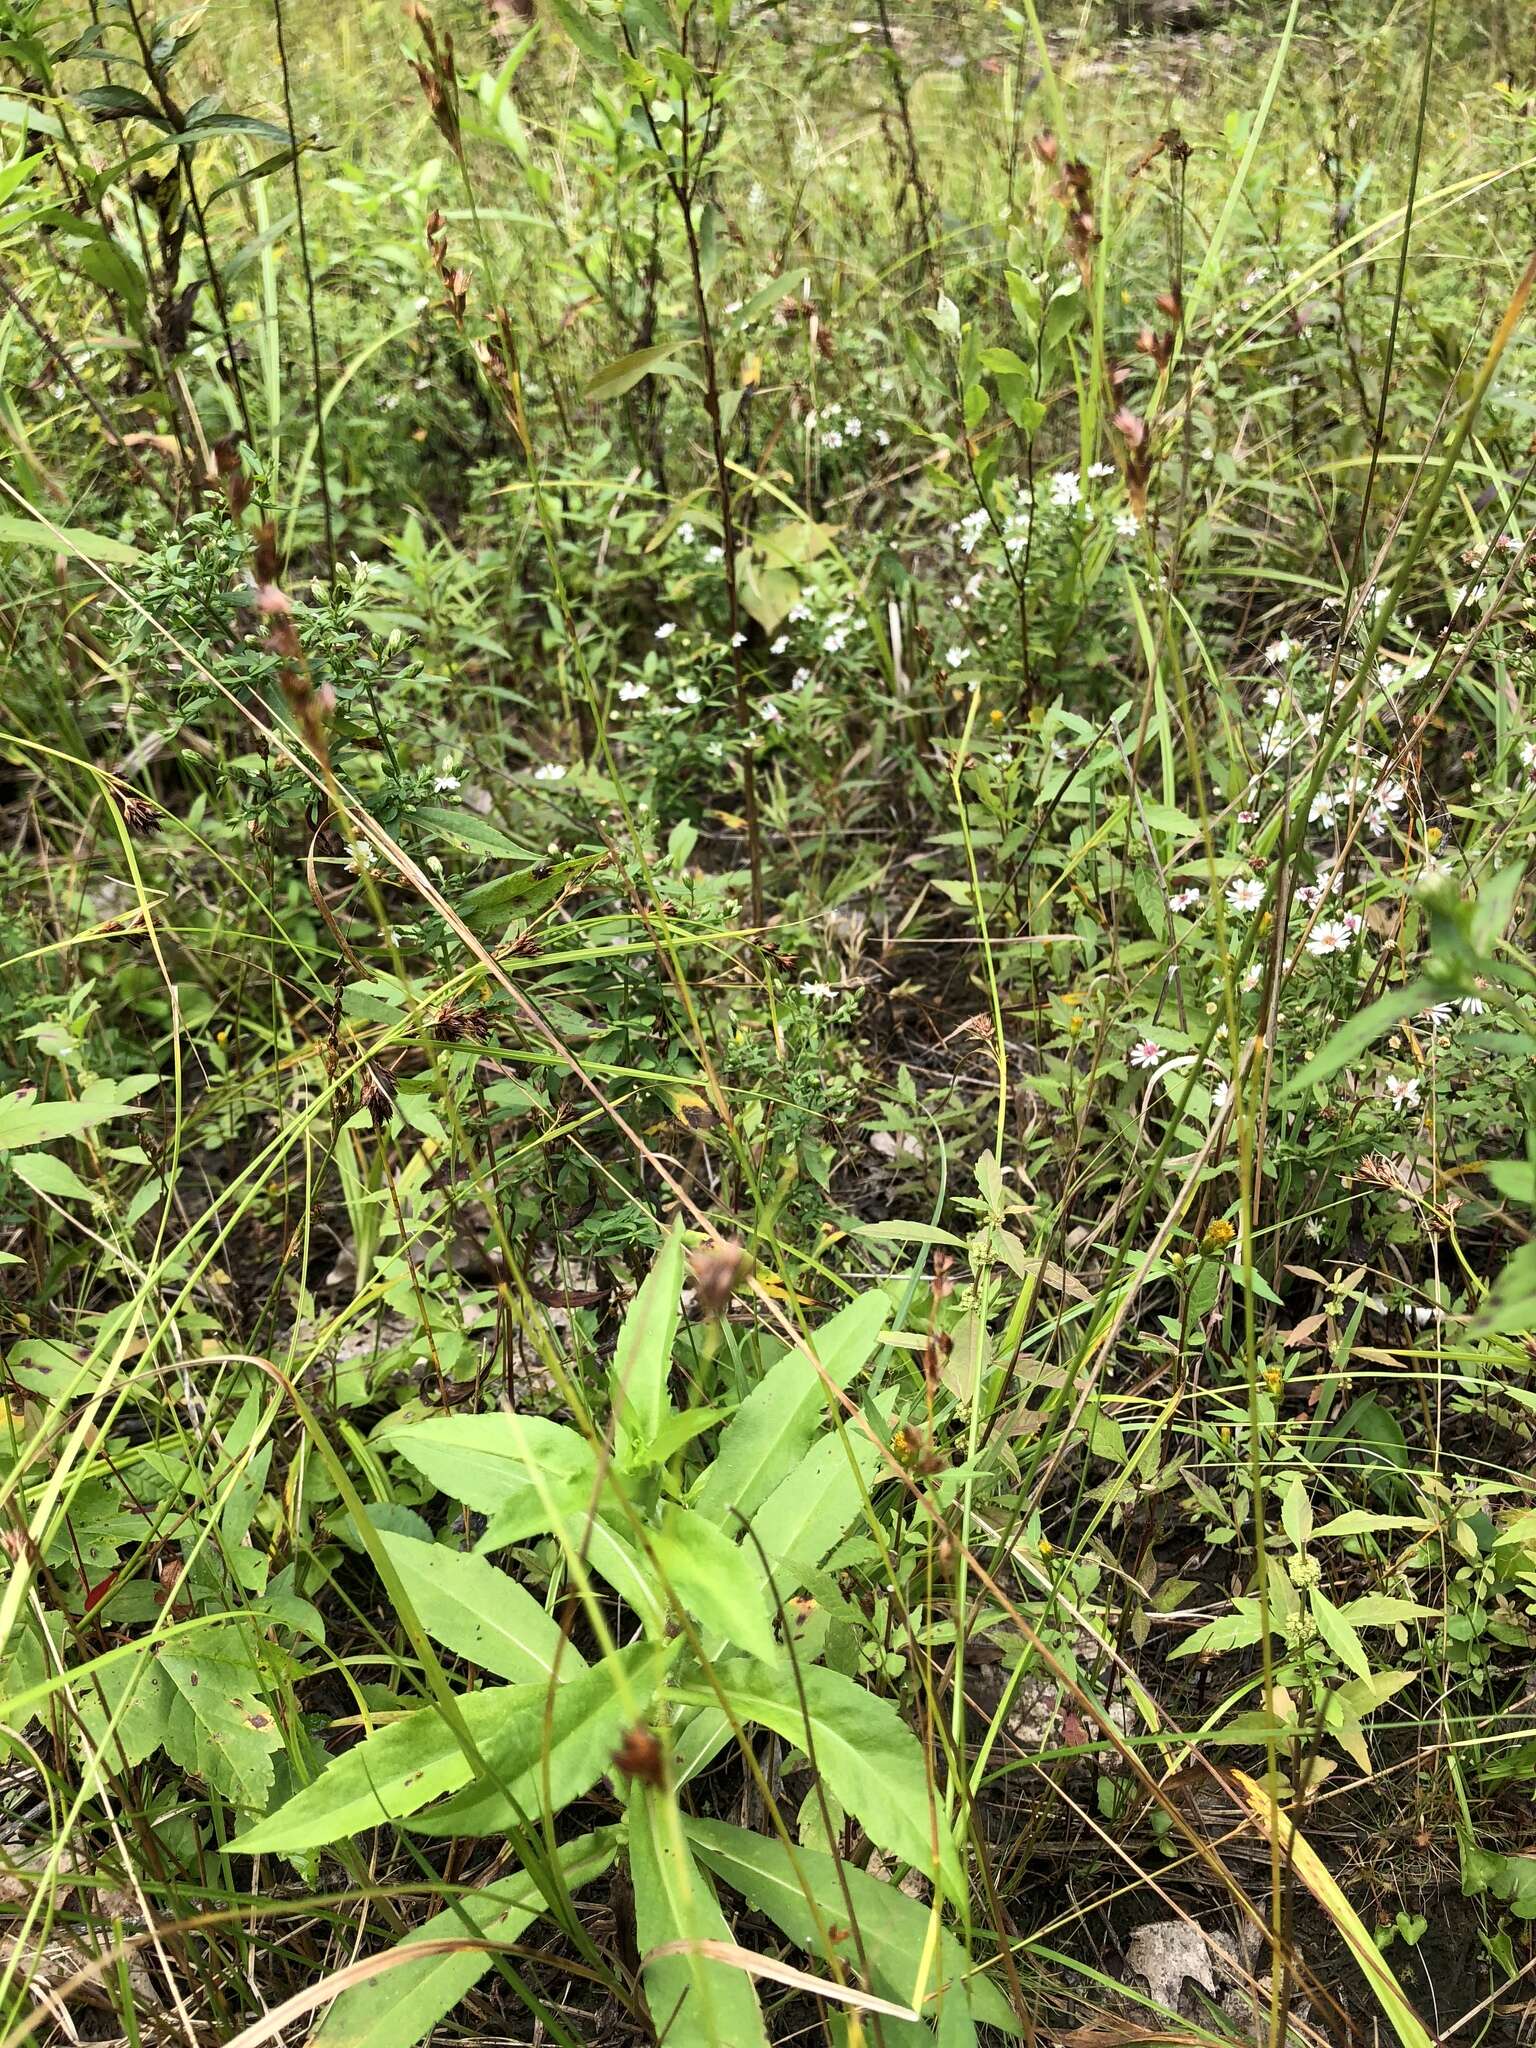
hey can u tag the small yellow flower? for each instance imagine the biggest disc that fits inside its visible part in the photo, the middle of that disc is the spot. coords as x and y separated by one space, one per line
1218 1235
1274 1379
1047 1547
996 717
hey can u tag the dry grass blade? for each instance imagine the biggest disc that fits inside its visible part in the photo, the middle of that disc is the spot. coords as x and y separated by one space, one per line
783 1973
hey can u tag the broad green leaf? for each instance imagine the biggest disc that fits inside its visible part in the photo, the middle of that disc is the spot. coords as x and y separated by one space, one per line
802 1894
694 2002
50 1176
816 1506
487 1461
614 1558
1382 1610
16 532
894 1231
1509 1307
642 1359
1233 1631
625 372
1361 1522
481 1614
719 1581
397 2009
392 1772
216 1723
1338 1635
557 1749
769 1432
1296 1513
26 1121
869 1758
133 1698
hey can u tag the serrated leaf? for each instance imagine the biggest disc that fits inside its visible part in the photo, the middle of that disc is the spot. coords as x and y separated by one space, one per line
26 1121
1235 1631
479 1613
217 1724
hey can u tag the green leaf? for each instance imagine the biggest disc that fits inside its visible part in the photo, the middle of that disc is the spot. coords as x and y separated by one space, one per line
869 1758
120 103
625 372
16 532
392 1772
1382 1610
716 1580
1509 1307
894 1231
481 1614
770 1431
556 1749
50 1176
1337 1633
487 1461
694 2002
1233 1631
1355 1037
26 1121
801 1892
216 1723
642 1358
816 1505
594 46
397 2009
1296 1513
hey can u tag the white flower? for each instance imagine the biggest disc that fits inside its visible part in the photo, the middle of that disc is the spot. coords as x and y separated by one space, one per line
769 712
444 784
1126 524
1253 974
832 440
799 679
1221 1095
1101 469
1065 488
1183 899
738 639
1439 1013
1330 935
1472 1006
957 657
853 427
882 437
836 641
781 645
1279 652
685 533
798 614
1146 1052
666 629
1245 896
685 693
364 859
819 991
715 553
551 771
1403 1094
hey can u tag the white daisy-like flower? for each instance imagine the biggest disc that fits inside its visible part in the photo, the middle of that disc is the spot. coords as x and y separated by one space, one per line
551 771
818 991
1253 974
685 693
836 640
445 784
1184 899
799 679
738 639
1245 896
853 427
632 692
1146 1052
1101 469
685 533
1066 488
882 437
1279 652
715 553
1126 524
1439 1013
781 645
1221 1095
832 440
769 712
666 629
1330 935
1472 1006
1403 1094
957 657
